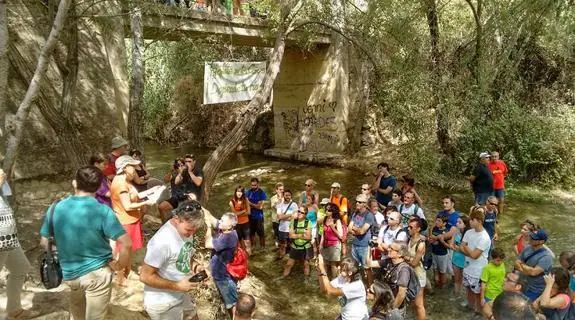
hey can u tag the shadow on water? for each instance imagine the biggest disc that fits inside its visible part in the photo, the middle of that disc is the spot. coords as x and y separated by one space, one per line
293 298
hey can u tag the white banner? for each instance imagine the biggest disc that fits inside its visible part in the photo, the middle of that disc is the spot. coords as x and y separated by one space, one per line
232 81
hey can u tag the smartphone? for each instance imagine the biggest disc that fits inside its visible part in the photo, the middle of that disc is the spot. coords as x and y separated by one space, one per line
199 277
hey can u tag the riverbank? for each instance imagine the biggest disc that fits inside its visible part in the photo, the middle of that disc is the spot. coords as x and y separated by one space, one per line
292 298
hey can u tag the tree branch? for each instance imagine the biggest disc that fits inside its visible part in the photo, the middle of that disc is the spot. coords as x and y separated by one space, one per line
16 129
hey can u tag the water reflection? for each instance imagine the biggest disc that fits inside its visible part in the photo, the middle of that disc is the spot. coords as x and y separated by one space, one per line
292 297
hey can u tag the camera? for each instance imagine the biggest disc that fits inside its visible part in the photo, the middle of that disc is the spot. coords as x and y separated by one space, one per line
372 243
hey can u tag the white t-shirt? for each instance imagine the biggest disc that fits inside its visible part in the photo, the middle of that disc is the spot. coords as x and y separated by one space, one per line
353 301
379 218
387 236
172 255
406 213
282 208
476 240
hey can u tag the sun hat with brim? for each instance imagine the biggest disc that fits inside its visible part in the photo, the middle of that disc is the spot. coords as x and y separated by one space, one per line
118 142
336 185
324 201
539 235
124 161
484 155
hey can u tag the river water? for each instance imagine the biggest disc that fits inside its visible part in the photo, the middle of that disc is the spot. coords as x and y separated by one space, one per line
293 298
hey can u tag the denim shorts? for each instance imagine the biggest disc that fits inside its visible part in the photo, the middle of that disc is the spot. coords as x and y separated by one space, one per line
499 193
481 197
359 254
229 292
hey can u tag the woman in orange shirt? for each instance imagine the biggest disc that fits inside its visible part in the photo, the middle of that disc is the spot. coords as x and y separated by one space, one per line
240 207
126 205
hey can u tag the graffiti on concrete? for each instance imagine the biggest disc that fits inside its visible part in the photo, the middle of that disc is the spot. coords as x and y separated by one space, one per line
310 127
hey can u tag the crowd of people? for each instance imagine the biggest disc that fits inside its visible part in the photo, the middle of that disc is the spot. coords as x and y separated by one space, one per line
378 255
230 7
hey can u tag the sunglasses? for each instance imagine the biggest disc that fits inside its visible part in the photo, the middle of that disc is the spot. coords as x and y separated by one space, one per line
493 204
360 202
194 206
308 185
364 189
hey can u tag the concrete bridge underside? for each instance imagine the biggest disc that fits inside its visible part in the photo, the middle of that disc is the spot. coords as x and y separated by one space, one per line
310 103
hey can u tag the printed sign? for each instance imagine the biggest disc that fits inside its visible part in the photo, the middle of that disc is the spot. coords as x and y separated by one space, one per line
232 81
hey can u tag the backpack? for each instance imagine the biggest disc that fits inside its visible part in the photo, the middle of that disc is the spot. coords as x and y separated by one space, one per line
238 266
427 259
405 218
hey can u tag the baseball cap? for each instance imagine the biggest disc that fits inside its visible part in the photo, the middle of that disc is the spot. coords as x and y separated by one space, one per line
539 235
124 161
336 185
324 201
118 142
484 155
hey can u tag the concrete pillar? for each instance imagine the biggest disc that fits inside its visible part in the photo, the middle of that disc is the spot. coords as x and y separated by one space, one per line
311 103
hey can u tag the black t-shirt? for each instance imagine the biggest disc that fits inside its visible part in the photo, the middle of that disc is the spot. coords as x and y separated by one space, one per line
400 275
188 185
483 182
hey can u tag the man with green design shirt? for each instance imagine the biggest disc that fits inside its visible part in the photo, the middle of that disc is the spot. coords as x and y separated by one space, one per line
169 264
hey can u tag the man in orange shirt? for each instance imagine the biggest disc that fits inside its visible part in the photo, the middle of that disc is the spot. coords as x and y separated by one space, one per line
499 171
337 198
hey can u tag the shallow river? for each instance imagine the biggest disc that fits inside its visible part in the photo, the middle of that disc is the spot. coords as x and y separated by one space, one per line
295 298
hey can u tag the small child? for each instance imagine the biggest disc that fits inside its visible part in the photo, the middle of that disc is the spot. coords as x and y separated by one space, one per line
492 278
439 252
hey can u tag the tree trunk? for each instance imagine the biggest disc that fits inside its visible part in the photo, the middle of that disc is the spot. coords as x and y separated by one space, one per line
476 63
442 119
363 102
15 126
135 124
64 122
3 72
256 107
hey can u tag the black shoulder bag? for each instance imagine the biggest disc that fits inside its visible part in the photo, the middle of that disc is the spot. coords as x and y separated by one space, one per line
50 269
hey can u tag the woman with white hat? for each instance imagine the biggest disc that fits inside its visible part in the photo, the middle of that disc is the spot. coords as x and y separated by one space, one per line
125 202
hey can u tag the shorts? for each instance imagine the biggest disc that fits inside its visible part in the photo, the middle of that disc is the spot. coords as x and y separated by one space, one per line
257 226
486 299
441 263
283 237
359 254
472 283
332 253
275 228
134 230
303 254
499 194
481 197
173 201
243 231
229 292
532 295
172 311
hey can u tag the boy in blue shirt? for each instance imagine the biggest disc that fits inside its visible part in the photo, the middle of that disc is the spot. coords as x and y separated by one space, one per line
439 252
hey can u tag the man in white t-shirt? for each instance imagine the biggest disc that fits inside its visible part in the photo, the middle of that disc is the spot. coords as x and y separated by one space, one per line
409 208
392 232
475 246
286 211
169 265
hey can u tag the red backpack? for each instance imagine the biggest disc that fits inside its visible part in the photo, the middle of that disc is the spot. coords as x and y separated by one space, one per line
238 267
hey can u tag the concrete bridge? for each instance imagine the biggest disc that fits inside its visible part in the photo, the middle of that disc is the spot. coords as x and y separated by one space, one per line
311 93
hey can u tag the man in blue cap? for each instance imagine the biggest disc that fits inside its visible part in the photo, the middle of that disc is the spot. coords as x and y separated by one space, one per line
534 262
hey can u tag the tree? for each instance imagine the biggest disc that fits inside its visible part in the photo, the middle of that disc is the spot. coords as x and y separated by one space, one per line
257 105
15 125
3 70
135 125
